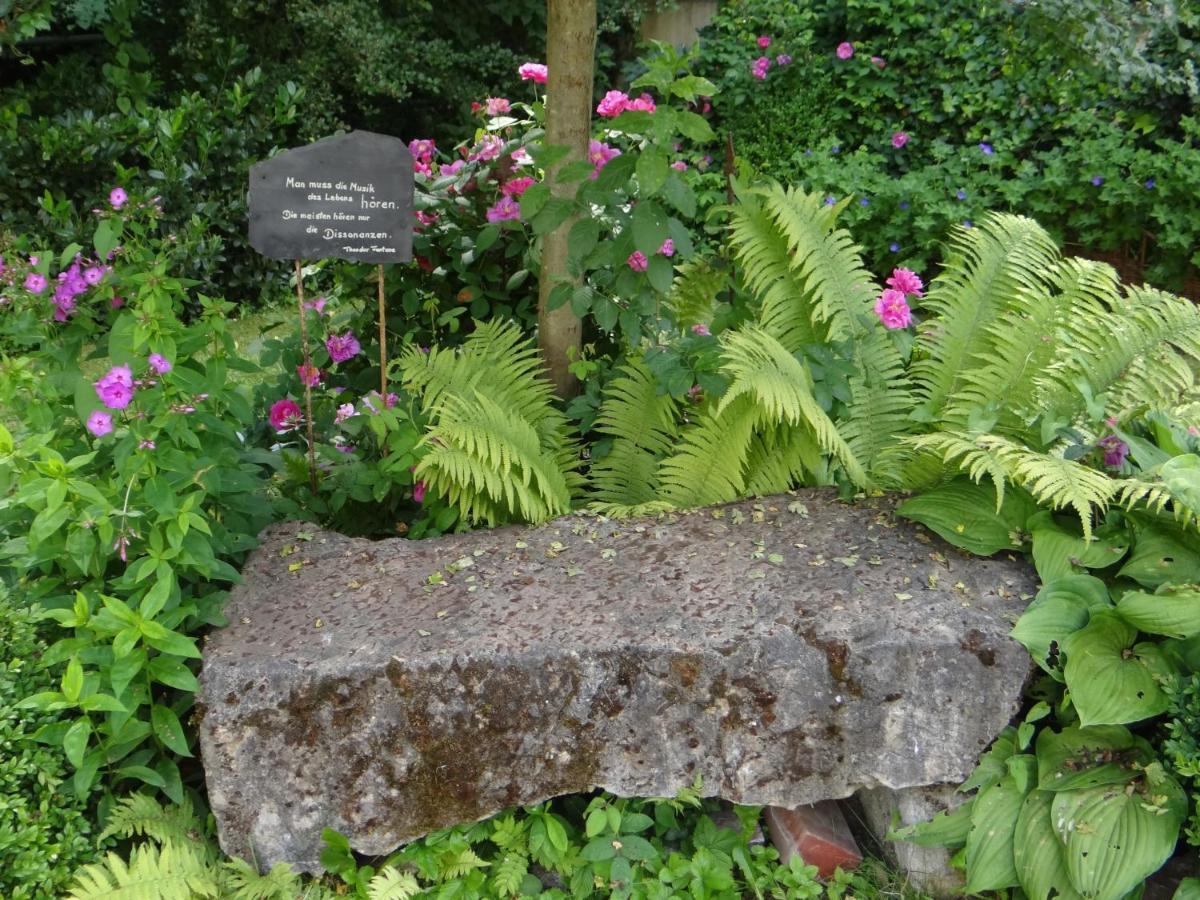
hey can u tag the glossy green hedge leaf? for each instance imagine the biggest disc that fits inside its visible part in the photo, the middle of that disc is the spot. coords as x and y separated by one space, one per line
1060 608
1116 838
948 828
532 201
1174 612
964 514
652 169
1159 558
169 641
695 127
1111 680
173 673
76 740
72 680
649 227
680 195
555 833
599 849
596 822
634 846
989 849
125 668
1038 853
1076 758
576 170
168 729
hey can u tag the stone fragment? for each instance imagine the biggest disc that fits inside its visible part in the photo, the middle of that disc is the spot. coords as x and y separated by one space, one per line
817 832
927 868
786 650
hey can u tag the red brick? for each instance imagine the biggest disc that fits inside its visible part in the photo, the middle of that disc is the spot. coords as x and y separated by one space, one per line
819 833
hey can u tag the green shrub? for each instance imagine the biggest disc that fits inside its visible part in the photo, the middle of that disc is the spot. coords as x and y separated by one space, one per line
45 833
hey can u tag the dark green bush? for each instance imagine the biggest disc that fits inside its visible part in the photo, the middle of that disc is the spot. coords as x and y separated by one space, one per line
44 832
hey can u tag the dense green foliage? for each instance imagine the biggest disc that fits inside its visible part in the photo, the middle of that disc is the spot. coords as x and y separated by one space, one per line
1001 106
45 832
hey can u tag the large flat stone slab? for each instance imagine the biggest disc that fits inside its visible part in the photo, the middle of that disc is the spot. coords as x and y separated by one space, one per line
787 650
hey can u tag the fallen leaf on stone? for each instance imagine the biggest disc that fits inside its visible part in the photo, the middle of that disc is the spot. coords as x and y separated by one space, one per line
900 596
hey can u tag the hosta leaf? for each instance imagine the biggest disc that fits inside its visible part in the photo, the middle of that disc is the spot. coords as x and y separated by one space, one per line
1038 853
949 828
1116 837
992 765
1058 551
1175 612
989 851
1111 680
1181 474
1159 558
1078 758
964 514
1061 608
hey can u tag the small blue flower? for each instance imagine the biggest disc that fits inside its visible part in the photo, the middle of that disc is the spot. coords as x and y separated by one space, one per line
894 247
863 202
1097 180
904 204
808 152
961 195
835 149
1150 184
967 223
829 201
986 148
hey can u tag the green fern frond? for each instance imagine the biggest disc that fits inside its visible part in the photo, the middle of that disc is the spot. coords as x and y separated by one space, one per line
781 386
1025 340
141 815
780 458
642 423
244 882
707 466
169 872
695 292
991 269
462 862
392 884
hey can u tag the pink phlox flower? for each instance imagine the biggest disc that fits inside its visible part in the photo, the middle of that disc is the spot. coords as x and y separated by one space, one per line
160 364
899 139
420 167
701 329
845 50
637 261
906 281
613 104
497 106
285 415
764 41
667 248
892 309
342 347
93 275
35 282
117 197
506 209
99 423
532 71
115 387
310 375
487 149
515 187
344 412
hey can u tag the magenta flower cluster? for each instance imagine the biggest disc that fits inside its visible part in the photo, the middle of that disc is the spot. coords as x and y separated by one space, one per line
616 102
892 305
342 347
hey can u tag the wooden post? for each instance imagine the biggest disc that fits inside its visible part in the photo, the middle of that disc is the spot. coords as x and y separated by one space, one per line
308 416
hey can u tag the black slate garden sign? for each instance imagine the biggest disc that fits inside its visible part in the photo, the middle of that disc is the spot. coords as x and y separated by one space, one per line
349 196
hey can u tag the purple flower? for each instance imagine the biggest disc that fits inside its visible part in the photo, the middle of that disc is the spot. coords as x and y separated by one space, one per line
903 204
1097 180
117 197
93 275
344 412
894 247
115 387
1115 451
342 347
864 202
35 283
759 67
419 492
1150 184
961 195
764 41
845 50
99 423
899 139
145 445
986 148
667 248
783 59
835 149
967 223
679 165
506 209
160 364
310 376
829 201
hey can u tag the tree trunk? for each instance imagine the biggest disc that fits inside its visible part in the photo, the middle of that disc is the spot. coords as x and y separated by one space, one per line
570 58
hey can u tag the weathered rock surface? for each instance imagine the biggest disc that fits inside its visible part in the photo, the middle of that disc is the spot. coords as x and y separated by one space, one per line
787 651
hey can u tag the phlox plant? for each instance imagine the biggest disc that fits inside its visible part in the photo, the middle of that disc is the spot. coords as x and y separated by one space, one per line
130 490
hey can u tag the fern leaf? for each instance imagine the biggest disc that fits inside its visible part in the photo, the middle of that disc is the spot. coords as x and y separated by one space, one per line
463 862
643 426
392 884
779 460
694 292
509 874
141 815
169 872
707 467
990 269
244 882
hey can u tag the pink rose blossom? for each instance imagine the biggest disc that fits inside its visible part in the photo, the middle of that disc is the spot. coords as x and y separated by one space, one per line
310 376
285 415
667 248
613 104
598 155
117 197
701 329
892 309
515 187
506 209
679 165
899 139
759 67
424 218
99 423
453 168
160 364
344 412
419 492
644 103
764 41
497 106
422 150
637 261
906 281
531 71
342 347
487 149
878 62
845 50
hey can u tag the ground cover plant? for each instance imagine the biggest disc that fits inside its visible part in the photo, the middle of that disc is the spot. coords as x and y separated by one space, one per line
737 347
